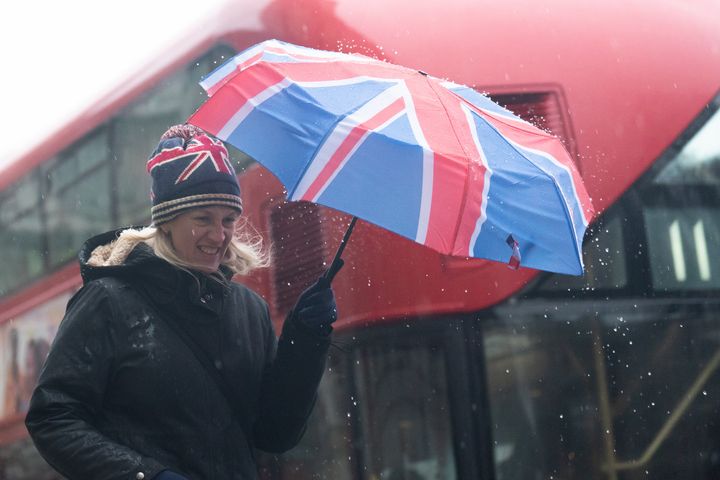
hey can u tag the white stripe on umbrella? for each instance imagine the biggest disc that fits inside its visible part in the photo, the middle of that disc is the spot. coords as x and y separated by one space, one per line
486 181
428 166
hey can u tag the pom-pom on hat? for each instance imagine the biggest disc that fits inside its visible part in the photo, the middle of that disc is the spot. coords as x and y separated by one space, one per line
190 169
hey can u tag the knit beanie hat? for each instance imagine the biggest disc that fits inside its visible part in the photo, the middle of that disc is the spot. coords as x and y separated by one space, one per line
190 169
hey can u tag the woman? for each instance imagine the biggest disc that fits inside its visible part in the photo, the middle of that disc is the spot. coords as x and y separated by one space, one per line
162 367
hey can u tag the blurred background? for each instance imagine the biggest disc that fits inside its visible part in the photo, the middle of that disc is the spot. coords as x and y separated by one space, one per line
446 368
59 57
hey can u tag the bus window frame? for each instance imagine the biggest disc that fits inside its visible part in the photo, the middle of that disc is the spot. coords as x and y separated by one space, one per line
698 122
459 336
677 196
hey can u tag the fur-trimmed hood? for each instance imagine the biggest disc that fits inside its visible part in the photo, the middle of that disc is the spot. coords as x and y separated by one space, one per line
114 253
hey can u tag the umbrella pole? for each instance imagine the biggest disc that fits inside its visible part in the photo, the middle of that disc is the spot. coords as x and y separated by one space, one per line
337 262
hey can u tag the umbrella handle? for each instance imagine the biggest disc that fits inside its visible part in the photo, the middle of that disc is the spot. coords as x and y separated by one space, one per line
337 262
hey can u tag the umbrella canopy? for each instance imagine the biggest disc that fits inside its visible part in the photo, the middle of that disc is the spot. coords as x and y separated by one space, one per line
423 157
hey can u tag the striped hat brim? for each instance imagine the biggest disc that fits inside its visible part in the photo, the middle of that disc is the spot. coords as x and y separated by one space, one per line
166 211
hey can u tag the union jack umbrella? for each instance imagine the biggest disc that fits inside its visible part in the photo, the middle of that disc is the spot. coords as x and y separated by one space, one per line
422 157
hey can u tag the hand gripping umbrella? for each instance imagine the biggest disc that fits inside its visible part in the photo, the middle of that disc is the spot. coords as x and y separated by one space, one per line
425 158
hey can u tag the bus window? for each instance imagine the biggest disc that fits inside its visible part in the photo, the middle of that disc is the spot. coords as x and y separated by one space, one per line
21 233
404 412
383 413
542 403
135 130
682 214
683 246
698 162
604 256
327 445
661 365
76 200
576 389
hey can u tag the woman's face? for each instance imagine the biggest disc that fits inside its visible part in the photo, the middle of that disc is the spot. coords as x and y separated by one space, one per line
201 236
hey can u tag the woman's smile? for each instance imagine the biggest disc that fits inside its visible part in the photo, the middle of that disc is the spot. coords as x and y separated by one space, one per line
201 236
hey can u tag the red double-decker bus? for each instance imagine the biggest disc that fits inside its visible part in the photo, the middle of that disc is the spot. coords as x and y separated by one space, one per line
445 367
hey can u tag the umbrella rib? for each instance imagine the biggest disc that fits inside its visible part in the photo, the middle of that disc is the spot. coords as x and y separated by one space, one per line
467 168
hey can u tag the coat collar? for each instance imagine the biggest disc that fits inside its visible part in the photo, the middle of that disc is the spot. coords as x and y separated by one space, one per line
119 253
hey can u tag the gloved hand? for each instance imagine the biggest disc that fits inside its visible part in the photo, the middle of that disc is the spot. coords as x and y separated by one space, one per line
169 475
316 308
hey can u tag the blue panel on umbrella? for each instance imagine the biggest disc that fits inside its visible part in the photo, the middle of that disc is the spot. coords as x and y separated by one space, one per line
563 179
299 125
522 201
562 175
345 99
382 182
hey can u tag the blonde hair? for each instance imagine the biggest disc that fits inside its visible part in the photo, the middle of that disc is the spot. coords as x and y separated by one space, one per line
245 252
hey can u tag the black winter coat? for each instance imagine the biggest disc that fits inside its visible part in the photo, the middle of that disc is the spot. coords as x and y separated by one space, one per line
121 396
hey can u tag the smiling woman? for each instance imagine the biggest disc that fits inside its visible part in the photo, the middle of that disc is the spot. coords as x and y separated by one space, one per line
166 368
201 236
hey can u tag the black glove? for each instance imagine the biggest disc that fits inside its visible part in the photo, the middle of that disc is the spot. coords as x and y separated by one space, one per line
316 308
169 475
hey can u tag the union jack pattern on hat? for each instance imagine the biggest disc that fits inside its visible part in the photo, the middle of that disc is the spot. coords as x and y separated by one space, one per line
190 169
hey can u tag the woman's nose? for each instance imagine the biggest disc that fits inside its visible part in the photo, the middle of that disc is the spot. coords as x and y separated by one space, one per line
217 232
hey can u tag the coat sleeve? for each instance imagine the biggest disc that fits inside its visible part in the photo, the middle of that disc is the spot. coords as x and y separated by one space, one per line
289 387
65 408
